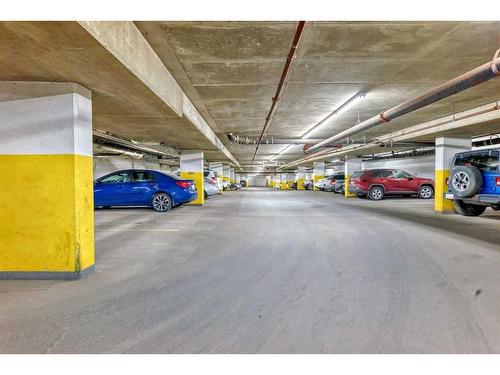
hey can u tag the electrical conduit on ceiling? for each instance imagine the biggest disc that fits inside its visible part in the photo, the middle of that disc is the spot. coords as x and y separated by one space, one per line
461 83
284 76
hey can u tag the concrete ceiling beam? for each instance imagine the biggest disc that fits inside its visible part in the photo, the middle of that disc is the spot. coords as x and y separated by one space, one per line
124 41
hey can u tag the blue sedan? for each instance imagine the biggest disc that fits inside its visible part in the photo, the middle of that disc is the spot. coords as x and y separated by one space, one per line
139 187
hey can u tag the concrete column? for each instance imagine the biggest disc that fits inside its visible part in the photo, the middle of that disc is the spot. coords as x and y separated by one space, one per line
232 175
192 169
226 173
46 184
219 169
446 148
291 179
301 177
284 181
351 165
319 171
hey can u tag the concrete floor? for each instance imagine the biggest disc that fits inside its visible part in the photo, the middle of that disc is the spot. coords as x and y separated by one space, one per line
260 270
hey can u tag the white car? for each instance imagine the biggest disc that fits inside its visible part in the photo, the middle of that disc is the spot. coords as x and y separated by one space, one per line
213 179
210 188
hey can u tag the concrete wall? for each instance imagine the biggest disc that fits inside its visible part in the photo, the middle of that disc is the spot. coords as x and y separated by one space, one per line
423 166
105 165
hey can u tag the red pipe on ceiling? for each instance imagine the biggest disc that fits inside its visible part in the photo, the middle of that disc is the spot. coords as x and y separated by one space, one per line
284 76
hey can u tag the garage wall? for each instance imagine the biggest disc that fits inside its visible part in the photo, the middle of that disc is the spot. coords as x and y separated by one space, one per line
422 166
105 165
260 181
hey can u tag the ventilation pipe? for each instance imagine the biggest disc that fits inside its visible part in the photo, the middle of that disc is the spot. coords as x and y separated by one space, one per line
461 83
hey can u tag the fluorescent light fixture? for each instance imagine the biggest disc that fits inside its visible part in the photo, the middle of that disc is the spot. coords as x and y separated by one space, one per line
332 116
279 153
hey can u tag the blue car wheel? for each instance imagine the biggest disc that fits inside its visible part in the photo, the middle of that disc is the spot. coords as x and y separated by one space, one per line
161 202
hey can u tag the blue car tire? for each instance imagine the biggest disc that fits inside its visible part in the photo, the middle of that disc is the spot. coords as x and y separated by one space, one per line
161 202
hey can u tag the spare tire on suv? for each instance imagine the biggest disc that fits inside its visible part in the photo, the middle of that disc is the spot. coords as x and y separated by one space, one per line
465 181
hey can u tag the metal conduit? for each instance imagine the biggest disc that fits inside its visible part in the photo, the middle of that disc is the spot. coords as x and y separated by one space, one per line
461 83
284 75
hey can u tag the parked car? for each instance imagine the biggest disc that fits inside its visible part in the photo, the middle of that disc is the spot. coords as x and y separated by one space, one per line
294 186
210 187
308 184
333 183
474 182
141 187
214 178
237 185
377 183
339 187
321 184
243 183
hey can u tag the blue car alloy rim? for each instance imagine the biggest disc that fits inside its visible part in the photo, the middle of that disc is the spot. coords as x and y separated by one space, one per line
161 202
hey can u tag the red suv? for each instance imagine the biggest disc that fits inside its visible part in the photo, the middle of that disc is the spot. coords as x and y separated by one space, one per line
375 183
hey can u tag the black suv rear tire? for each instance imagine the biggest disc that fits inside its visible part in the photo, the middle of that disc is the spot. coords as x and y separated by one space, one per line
466 209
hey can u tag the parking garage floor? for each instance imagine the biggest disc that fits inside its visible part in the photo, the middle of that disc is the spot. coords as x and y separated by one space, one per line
267 271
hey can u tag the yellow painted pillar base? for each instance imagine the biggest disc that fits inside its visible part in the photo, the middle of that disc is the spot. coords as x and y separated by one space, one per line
317 178
441 204
300 184
191 163
284 186
347 194
198 178
47 217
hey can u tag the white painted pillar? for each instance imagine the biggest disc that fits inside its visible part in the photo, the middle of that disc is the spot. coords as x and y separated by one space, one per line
319 171
301 177
226 173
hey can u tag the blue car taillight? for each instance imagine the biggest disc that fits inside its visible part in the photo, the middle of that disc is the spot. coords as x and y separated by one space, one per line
183 184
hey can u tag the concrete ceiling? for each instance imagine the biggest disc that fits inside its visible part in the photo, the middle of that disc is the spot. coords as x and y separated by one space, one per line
232 70
121 103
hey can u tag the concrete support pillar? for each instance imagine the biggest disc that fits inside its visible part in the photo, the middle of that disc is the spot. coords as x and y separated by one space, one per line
269 181
301 177
284 181
276 181
231 176
351 165
46 184
291 179
446 148
238 177
219 169
192 169
319 171
226 173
